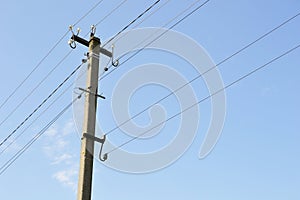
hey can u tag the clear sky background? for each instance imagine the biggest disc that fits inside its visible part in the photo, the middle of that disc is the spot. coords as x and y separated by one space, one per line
257 156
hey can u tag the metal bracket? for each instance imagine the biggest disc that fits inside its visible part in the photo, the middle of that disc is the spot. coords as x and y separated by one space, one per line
114 63
99 140
72 41
97 95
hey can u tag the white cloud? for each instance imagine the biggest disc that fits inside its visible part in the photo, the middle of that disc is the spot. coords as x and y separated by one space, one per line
61 144
55 147
64 158
69 127
67 177
10 146
57 142
51 132
60 152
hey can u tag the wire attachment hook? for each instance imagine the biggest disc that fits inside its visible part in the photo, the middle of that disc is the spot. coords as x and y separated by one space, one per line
93 30
114 63
72 42
105 156
99 140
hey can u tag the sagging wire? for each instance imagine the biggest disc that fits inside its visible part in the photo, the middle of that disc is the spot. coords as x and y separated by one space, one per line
132 22
159 36
41 104
35 138
208 97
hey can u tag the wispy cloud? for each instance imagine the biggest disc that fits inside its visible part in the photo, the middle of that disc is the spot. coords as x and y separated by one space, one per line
67 177
59 151
64 158
55 146
57 139
69 127
52 131
10 146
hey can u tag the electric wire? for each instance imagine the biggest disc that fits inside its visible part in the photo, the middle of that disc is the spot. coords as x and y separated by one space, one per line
33 70
41 104
20 152
209 96
34 89
245 76
132 22
178 22
67 87
144 19
46 56
34 139
55 67
167 23
111 12
44 79
159 36
205 72
42 113
88 12
35 119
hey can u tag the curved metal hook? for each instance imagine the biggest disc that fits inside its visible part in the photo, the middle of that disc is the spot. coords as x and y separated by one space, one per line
114 63
100 153
100 140
72 44
93 30
71 29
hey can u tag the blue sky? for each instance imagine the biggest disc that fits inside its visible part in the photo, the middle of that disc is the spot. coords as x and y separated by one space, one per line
257 156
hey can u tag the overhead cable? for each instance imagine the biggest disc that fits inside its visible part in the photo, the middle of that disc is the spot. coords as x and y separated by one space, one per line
209 96
205 72
133 21
41 104
159 36
46 56
34 139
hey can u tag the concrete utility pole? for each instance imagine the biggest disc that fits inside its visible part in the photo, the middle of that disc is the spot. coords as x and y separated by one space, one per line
88 138
87 145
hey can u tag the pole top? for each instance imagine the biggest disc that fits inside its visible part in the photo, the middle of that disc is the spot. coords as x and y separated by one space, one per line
95 39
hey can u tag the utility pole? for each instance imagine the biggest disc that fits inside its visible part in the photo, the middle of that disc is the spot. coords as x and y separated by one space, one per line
90 107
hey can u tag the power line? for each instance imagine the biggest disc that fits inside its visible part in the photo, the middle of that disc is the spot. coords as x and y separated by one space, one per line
111 12
41 104
178 22
159 36
67 87
88 12
205 72
46 56
34 89
34 120
133 21
41 114
156 10
208 97
37 136
55 67
33 70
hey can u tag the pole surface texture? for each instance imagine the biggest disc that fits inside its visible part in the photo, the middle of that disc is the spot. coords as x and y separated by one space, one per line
87 145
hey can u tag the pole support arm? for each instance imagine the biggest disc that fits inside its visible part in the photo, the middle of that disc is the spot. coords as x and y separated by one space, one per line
101 141
86 43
